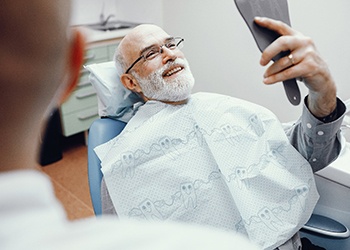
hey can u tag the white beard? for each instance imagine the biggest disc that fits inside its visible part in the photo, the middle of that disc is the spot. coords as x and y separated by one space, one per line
178 89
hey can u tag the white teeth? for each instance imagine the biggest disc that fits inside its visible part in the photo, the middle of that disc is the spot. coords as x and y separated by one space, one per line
173 71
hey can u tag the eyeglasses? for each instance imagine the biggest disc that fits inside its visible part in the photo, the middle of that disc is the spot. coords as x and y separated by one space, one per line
152 52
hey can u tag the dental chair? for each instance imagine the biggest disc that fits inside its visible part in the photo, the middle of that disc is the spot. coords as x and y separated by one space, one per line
101 131
327 227
113 101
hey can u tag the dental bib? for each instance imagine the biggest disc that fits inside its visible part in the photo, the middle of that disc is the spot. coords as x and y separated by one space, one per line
216 161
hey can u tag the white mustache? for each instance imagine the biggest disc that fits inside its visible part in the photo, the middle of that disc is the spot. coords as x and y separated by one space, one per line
177 62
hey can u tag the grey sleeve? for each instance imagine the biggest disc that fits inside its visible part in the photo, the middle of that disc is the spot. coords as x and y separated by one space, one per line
107 205
316 141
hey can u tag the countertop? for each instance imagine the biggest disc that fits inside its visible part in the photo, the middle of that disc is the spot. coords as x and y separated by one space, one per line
93 36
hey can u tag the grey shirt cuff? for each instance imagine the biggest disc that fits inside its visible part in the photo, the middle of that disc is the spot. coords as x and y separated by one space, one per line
319 131
317 141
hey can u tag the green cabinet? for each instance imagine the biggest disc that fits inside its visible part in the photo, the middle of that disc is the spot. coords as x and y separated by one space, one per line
80 110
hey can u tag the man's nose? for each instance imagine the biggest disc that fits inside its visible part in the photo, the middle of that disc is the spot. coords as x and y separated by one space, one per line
168 54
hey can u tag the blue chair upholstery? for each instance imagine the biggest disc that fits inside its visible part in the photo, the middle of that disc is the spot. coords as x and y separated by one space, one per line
101 131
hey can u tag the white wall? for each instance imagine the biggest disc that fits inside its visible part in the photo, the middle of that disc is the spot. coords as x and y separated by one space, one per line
142 11
224 57
88 11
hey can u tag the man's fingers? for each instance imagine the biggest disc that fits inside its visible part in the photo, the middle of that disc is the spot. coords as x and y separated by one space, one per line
294 71
275 25
287 41
281 44
285 62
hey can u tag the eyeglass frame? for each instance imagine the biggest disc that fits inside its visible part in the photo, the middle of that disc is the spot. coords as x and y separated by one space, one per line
160 51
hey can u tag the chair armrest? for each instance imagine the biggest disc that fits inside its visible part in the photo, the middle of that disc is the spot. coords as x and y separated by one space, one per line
326 226
101 131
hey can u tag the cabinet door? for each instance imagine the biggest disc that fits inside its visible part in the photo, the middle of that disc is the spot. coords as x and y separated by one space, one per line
111 51
81 109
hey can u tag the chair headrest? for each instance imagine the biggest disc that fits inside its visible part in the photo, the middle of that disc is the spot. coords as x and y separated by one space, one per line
114 100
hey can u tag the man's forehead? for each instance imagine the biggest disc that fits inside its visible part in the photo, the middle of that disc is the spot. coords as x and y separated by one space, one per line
146 35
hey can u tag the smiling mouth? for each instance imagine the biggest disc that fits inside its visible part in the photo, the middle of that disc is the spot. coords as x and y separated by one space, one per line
173 71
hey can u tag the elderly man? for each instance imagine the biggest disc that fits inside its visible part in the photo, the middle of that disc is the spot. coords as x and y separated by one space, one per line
226 156
40 63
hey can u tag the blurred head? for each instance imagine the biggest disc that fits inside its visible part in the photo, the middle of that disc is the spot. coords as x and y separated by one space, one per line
40 62
166 77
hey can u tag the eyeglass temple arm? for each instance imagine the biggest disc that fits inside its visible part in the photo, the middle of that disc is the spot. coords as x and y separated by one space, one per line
132 65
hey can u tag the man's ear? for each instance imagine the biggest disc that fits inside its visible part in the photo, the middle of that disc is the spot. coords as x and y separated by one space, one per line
130 83
75 61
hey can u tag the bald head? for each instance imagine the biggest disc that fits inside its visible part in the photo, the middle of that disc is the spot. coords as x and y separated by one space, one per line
34 56
33 38
135 41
